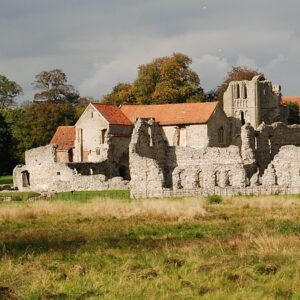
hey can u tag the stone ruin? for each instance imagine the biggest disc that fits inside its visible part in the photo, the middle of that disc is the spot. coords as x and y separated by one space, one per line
260 156
267 162
42 172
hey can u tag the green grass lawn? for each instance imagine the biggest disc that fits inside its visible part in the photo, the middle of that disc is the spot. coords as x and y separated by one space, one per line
8 179
241 248
88 195
18 196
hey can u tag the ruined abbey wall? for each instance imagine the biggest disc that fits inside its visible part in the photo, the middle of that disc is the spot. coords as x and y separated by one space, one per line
41 172
160 170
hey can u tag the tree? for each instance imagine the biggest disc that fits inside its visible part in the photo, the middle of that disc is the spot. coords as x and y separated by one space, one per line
294 117
35 124
6 161
54 87
235 74
164 80
122 93
9 90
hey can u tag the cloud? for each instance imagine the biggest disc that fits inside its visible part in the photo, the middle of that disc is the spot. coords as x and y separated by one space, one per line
99 43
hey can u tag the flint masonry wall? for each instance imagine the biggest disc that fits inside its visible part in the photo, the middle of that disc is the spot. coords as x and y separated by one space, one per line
41 172
268 140
160 170
157 169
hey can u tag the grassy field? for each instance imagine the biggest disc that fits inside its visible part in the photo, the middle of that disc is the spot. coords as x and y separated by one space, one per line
6 180
242 248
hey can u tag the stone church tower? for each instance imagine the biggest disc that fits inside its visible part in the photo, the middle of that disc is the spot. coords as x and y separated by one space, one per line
253 101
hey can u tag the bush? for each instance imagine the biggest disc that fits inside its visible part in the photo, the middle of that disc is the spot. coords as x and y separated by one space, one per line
214 199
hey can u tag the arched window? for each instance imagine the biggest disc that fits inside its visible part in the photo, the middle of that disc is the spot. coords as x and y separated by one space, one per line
242 118
237 91
198 179
245 92
221 135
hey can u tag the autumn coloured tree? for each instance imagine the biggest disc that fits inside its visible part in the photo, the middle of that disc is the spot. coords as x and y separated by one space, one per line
9 90
235 74
164 80
54 87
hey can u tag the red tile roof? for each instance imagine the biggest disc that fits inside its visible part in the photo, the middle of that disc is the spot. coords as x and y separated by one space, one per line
64 137
172 114
293 99
112 114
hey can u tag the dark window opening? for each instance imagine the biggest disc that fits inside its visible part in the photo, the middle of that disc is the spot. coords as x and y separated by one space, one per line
199 179
58 173
97 151
124 172
238 91
179 182
221 135
25 179
242 118
103 135
227 178
245 92
216 175
70 155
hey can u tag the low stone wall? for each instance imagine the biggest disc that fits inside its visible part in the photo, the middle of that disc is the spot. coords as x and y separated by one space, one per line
43 175
160 170
228 191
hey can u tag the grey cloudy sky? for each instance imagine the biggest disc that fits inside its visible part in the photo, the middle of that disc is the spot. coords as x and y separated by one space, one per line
99 43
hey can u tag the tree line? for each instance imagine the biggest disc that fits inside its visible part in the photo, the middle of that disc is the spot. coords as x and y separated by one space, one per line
56 102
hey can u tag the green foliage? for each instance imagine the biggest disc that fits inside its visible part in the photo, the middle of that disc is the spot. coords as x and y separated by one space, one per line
34 125
6 155
235 74
164 80
293 113
54 87
9 90
8 179
214 199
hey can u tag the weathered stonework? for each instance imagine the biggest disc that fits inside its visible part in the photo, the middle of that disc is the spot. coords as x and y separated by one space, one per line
190 149
161 170
42 173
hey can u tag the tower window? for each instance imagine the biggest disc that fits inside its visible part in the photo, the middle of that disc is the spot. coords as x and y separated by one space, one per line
221 135
245 92
242 118
237 91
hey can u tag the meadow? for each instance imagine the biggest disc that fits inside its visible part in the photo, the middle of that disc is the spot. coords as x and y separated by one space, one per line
84 246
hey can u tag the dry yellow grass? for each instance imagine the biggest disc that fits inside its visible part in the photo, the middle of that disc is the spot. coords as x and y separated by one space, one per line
185 209
264 202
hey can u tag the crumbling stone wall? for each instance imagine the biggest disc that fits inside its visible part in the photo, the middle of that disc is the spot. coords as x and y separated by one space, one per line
270 138
284 170
147 158
41 172
156 167
265 163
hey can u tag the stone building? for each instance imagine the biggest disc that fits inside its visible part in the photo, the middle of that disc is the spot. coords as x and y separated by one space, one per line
174 149
64 139
253 101
197 125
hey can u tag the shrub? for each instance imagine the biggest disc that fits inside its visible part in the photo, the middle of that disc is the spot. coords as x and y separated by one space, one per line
214 199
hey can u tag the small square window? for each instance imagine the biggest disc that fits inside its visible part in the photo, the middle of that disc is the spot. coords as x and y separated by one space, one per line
58 173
